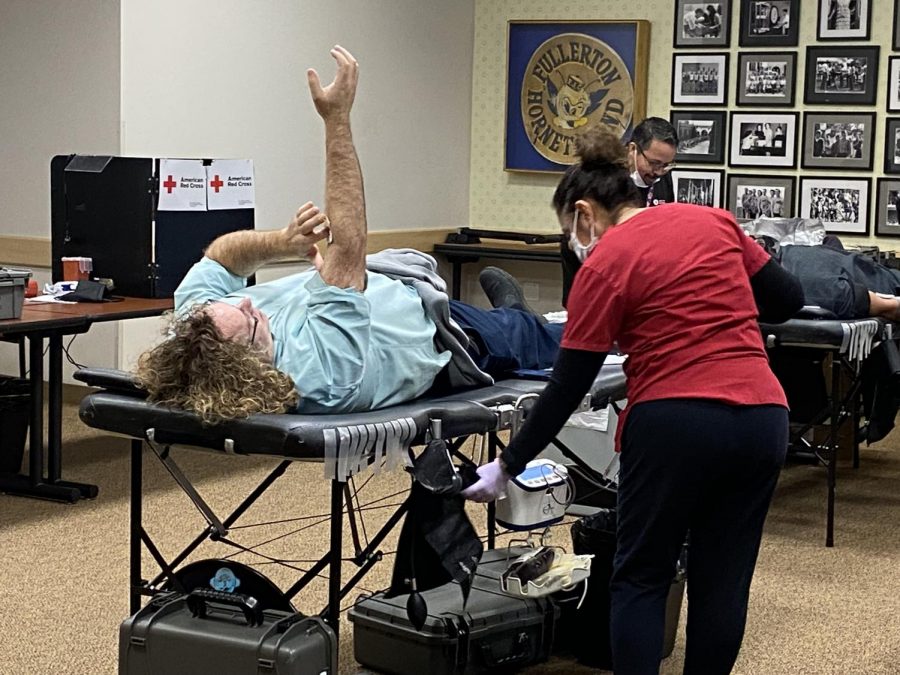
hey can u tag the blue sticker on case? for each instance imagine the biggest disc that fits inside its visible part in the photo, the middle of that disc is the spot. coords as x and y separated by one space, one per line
225 581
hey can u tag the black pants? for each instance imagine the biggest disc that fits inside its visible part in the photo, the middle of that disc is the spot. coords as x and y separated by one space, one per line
709 468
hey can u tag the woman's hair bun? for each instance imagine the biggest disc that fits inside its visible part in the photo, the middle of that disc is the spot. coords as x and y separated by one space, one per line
599 148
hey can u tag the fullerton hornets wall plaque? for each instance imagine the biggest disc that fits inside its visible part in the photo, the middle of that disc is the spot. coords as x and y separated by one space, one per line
567 78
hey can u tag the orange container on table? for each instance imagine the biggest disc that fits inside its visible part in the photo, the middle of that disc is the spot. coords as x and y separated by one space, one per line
77 268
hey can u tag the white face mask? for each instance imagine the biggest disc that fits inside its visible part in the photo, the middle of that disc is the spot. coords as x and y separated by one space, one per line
638 179
636 175
581 251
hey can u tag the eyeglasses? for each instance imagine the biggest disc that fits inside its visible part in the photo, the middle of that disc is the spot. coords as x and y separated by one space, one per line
655 164
253 332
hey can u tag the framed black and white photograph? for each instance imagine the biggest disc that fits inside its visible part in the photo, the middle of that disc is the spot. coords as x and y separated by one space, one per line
766 78
845 75
896 41
838 140
844 20
893 97
763 139
702 24
887 208
703 188
700 78
751 197
841 203
772 23
701 136
892 145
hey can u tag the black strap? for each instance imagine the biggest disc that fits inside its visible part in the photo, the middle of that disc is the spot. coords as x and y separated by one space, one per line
573 374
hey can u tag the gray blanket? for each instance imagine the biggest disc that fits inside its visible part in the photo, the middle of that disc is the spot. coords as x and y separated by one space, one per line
419 270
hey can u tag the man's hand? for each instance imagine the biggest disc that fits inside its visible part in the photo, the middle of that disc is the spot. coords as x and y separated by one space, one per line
335 100
308 226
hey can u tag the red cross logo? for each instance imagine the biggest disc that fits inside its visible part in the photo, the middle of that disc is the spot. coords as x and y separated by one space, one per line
215 183
169 184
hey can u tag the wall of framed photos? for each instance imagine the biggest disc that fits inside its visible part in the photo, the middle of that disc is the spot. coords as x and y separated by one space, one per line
744 96
785 108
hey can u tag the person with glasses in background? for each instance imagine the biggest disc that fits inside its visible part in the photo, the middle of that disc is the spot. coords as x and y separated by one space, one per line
651 158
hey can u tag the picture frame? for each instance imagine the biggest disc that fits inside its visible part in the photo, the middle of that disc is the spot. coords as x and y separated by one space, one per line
564 78
770 23
766 79
887 208
892 144
893 95
700 78
841 75
701 187
841 203
701 136
702 24
763 139
844 20
895 43
743 188
838 141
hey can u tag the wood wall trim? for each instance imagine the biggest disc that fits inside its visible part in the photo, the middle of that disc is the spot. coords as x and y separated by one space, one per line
25 251
421 240
35 251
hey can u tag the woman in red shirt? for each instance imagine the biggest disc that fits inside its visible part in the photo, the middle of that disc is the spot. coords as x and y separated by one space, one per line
679 289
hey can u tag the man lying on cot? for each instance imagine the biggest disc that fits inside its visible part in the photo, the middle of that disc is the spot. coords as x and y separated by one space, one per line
847 283
340 338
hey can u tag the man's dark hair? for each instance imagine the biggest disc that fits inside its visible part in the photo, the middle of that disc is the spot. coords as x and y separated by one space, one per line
654 129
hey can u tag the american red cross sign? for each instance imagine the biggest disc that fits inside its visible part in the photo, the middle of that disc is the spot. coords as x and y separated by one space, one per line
215 183
169 185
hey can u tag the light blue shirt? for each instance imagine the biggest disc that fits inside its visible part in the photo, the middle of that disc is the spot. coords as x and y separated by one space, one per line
346 351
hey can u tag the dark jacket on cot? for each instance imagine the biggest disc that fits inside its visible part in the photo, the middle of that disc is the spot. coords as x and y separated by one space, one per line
837 280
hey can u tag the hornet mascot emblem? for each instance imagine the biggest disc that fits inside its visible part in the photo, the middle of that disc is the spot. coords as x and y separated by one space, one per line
573 100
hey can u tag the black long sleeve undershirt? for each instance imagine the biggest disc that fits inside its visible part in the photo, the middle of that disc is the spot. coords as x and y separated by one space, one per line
573 374
777 292
778 296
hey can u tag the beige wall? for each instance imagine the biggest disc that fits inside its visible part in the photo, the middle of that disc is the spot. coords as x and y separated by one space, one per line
503 200
226 78
59 93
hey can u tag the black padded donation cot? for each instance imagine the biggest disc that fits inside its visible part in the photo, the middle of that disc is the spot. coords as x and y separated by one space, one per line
346 444
848 344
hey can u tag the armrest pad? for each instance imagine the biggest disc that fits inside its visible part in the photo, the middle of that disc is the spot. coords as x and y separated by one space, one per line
111 379
814 312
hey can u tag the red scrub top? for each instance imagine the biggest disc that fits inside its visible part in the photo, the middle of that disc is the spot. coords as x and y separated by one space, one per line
671 285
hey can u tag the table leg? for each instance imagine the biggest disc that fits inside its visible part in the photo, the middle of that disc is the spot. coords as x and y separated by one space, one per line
34 484
54 409
36 430
54 423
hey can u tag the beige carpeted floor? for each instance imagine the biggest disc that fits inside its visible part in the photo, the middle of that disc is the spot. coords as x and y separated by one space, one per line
63 568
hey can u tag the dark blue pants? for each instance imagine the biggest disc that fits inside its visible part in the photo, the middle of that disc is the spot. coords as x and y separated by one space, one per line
507 339
709 468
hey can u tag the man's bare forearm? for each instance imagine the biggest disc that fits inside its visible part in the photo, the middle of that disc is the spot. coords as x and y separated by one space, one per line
245 251
345 199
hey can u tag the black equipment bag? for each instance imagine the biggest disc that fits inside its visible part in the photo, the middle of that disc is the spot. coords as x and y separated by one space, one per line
586 629
220 633
492 632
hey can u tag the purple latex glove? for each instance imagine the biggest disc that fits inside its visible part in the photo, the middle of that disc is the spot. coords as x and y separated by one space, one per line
491 483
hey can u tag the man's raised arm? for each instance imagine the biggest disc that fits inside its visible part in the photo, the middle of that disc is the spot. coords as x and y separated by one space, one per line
345 263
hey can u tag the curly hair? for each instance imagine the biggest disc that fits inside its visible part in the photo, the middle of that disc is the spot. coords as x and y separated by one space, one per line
199 370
